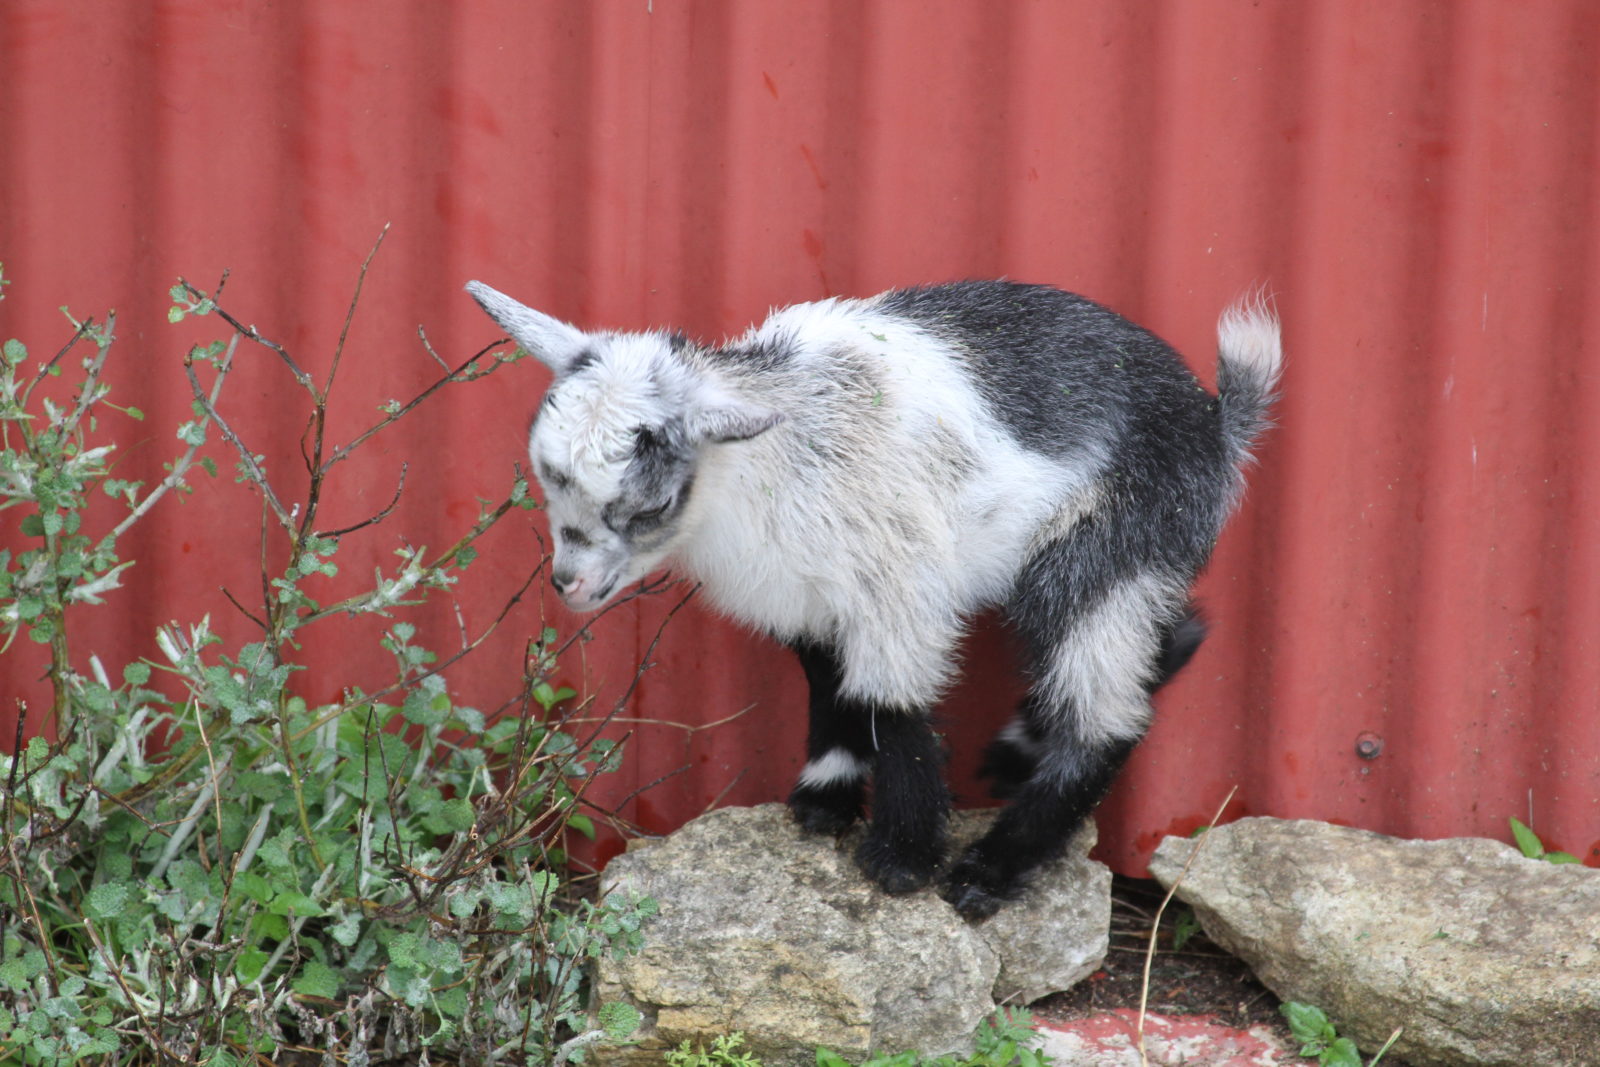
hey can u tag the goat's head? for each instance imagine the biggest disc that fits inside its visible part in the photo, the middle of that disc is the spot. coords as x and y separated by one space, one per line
617 443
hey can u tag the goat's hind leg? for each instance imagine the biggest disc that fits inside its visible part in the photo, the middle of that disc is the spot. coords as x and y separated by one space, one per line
1098 653
1011 758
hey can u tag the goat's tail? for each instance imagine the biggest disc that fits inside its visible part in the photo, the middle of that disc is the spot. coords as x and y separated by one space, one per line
1249 360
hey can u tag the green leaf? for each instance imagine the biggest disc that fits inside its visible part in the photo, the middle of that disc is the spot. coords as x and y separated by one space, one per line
252 886
1187 926
317 980
15 351
293 902
106 901
458 815
247 967
347 930
1560 857
1307 1022
452 1003
265 924
14 975
618 1020
583 824
1527 840
136 673
1341 1052
403 949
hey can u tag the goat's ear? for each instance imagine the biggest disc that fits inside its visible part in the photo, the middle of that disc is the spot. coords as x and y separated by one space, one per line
732 422
549 340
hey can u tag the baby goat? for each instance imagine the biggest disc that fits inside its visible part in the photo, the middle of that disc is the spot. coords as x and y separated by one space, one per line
858 478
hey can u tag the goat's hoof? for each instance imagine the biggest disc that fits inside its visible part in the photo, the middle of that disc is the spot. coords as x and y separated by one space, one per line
824 816
972 901
971 889
894 872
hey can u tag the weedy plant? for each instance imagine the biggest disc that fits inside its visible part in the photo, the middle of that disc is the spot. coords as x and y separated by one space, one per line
200 865
1006 1040
1318 1037
1532 846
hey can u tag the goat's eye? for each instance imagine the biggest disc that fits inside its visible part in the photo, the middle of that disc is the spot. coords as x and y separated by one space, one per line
649 519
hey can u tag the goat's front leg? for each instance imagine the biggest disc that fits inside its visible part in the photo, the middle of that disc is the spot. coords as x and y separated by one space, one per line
828 796
905 844
851 740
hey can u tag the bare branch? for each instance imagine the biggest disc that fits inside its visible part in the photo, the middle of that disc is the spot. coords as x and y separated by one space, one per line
379 517
181 466
349 316
343 451
250 333
242 609
77 335
427 347
253 471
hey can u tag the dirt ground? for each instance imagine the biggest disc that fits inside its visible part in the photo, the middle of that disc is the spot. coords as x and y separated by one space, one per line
1198 979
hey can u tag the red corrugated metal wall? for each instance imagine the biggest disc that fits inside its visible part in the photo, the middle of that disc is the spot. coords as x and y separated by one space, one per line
1417 556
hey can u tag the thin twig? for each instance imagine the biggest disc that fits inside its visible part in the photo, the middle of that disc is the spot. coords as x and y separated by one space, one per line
349 317
242 609
253 470
375 519
445 664
150 1032
250 333
688 728
344 450
87 392
77 335
651 785
735 780
14 866
184 462
1155 927
427 346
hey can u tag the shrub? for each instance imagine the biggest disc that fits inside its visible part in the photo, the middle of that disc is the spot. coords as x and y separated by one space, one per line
202 865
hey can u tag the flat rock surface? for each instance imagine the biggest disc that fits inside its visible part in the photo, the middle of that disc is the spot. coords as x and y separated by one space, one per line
1482 955
773 932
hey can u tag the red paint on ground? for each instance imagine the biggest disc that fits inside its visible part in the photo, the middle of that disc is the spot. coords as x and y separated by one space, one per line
1111 1039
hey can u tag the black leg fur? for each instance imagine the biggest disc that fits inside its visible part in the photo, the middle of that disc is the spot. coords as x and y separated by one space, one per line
1008 761
834 807
1034 828
904 848
1090 590
1179 642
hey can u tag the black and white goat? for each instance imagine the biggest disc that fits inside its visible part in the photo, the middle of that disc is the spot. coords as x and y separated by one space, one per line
858 478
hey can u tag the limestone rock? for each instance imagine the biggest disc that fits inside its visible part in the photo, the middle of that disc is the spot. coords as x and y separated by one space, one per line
1483 956
773 932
